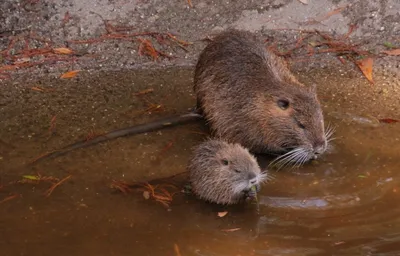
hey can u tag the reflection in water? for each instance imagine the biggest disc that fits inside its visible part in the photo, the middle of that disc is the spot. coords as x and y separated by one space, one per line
344 203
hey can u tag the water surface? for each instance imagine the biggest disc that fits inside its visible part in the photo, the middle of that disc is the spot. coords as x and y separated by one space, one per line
345 203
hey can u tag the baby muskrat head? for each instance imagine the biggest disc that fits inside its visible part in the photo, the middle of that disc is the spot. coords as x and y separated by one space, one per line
223 173
296 125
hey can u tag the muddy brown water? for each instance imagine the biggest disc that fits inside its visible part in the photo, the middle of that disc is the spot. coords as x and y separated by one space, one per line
345 203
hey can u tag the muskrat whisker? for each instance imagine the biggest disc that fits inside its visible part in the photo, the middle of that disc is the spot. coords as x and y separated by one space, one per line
331 139
289 159
284 155
281 163
264 177
330 130
270 177
302 160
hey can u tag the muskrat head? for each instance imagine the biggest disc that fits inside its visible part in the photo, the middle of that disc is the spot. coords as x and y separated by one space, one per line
239 169
296 125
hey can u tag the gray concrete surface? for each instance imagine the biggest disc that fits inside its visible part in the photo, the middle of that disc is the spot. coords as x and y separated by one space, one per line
378 22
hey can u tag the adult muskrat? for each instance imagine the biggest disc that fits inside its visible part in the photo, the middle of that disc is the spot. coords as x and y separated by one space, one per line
248 96
223 173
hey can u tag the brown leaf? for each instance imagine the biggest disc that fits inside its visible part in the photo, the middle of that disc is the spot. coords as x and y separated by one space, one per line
222 214
394 52
365 66
388 120
36 88
70 74
62 50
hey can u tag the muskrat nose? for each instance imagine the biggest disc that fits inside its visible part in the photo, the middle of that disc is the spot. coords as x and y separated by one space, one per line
319 149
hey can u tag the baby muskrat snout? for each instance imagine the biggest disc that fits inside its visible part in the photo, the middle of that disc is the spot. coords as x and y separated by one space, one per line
253 179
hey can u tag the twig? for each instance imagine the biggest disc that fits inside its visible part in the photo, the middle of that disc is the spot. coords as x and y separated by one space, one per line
50 190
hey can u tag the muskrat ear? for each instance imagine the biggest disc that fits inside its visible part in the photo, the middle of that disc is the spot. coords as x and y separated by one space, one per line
283 103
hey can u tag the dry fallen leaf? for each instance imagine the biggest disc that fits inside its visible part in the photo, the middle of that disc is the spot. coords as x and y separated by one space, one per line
394 52
70 74
222 214
365 66
22 60
62 50
303 1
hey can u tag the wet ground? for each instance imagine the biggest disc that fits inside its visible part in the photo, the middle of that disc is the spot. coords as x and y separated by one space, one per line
346 203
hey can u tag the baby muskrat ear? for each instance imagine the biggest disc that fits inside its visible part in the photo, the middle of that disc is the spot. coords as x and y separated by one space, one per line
283 103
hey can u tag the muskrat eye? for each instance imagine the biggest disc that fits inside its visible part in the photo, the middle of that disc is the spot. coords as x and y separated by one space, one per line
225 162
283 104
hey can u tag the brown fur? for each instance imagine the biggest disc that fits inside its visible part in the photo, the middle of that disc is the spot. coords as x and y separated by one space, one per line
223 173
239 82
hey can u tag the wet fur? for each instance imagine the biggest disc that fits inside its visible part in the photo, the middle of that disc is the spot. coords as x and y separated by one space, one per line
216 182
238 83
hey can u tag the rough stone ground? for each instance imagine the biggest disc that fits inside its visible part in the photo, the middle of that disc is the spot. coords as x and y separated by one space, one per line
378 22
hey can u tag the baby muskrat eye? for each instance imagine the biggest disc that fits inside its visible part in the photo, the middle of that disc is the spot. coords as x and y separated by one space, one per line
283 104
237 171
225 162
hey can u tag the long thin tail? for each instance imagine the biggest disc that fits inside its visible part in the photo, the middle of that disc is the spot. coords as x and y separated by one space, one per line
137 129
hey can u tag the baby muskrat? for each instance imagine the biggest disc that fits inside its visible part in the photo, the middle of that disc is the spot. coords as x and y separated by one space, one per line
223 173
248 96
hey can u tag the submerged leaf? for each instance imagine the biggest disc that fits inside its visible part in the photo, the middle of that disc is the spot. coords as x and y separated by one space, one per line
31 177
146 194
222 214
230 230
388 120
